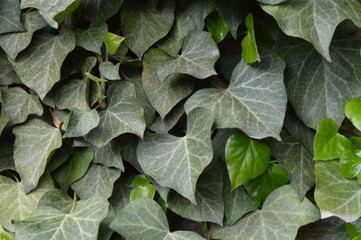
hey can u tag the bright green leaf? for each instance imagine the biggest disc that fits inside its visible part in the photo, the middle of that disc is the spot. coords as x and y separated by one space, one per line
350 165
249 45
217 27
140 180
147 191
112 42
353 113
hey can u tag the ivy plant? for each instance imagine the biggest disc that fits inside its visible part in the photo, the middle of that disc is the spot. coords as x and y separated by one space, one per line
179 119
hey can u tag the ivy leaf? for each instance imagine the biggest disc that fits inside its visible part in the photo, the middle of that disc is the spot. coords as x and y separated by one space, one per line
232 13
281 216
39 65
149 20
14 43
210 206
316 88
272 2
162 155
112 42
74 168
250 103
7 73
249 46
163 95
19 105
73 95
350 165
50 223
4 119
81 122
58 199
121 193
329 144
10 17
153 224
198 57
274 177
5 235
217 27
163 126
123 115
98 181
236 203
92 38
245 158
6 156
109 70
15 204
54 13
147 191
352 112
35 141
308 20
336 195
109 155
99 11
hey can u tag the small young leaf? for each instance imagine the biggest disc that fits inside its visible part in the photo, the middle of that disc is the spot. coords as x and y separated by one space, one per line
249 45
217 27
147 191
329 144
112 42
350 165
109 70
140 180
245 158
353 113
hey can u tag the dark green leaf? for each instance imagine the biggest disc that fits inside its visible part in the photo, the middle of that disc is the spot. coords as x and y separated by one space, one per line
10 17
99 11
217 27
92 38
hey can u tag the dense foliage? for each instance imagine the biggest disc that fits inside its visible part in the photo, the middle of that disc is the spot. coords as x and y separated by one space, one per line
179 119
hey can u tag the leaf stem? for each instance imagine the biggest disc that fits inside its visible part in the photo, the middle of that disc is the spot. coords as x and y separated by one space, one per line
206 231
15 177
74 202
125 76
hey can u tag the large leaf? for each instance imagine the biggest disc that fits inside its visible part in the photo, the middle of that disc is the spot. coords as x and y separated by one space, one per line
54 12
10 17
177 162
123 115
99 11
254 102
198 57
315 20
81 122
316 88
210 206
74 168
163 95
19 105
92 38
148 20
144 219
50 223
39 65
329 144
34 143
109 155
281 216
14 43
15 204
336 195
246 158
98 181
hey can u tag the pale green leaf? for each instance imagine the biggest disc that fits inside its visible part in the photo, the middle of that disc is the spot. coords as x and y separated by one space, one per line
74 168
98 181
198 57
54 12
255 101
19 105
123 115
81 122
73 95
109 155
246 158
92 38
5 235
336 195
279 219
163 126
316 88
177 162
15 204
39 65
109 70
99 11
35 141
315 20
163 95
49 223
58 199
210 206
14 43
352 111
144 219
350 165
10 17
148 20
